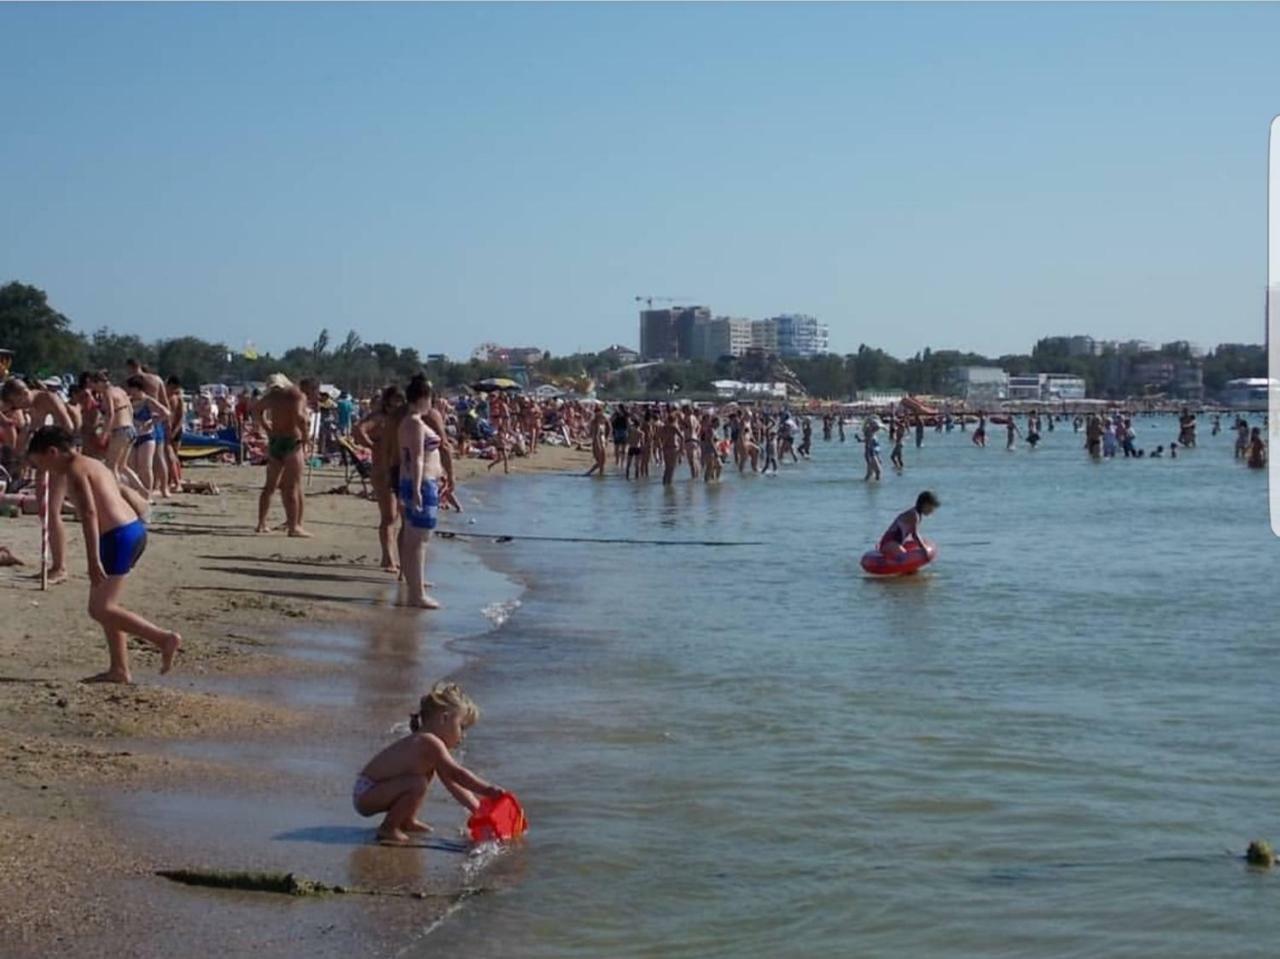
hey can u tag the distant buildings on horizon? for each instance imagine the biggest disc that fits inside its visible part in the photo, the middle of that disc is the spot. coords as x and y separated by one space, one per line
692 333
683 333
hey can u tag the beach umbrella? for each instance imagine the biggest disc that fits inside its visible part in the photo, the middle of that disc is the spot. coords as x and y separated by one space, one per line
495 384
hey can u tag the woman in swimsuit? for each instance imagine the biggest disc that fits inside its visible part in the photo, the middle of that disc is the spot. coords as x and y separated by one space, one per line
374 431
117 410
421 470
147 413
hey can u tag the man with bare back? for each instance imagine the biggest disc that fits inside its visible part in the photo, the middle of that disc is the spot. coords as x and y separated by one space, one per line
282 410
43 406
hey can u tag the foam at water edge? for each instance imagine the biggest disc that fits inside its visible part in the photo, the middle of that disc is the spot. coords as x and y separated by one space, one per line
499 613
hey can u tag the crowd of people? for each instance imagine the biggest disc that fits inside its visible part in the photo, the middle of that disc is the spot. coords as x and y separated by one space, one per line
407 440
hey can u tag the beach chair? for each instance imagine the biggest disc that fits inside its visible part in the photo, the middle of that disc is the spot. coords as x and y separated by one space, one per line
354 457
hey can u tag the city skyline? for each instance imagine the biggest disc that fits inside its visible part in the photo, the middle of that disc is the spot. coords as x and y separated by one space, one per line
964 177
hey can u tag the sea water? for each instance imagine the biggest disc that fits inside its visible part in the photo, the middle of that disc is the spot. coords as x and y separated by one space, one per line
1054 741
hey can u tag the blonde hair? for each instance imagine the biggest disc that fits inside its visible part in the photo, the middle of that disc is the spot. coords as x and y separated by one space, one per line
444 697
278 381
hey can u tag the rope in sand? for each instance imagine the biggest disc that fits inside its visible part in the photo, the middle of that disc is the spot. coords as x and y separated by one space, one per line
506 538
503 538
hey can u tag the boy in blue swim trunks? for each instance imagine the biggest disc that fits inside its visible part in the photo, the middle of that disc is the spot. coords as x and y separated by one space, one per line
115 537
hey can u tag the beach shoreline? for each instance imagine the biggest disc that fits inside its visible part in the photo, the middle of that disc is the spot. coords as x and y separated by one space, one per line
77 755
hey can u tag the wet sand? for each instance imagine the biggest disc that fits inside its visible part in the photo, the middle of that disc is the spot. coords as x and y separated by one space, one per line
295 665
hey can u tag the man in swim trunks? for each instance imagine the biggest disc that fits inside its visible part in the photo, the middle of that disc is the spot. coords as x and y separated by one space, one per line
42 405
893 544
115 537
283 412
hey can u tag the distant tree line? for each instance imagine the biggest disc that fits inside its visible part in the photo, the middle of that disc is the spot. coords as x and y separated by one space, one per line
45 344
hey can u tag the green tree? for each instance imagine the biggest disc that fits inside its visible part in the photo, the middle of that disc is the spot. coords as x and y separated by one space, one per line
192 360
40 337
109 351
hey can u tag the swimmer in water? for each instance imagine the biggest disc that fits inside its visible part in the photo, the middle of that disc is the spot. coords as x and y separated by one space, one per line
980 434
893 544
1257 449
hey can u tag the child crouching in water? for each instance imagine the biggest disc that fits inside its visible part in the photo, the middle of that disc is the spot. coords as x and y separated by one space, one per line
395 781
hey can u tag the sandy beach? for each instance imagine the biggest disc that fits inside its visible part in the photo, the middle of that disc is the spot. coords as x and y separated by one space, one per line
73 755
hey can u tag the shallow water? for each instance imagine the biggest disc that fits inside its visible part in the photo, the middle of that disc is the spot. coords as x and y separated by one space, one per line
1043 745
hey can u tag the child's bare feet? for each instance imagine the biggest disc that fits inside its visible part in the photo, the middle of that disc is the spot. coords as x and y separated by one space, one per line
299 533
426 602
110 676
262 528
169 649
391 837
417 825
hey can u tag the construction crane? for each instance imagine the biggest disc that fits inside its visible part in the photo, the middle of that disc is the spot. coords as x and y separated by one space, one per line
650 300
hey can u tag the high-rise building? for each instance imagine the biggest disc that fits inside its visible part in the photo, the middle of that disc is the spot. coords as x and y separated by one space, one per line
689 319
764 336
669 334
658 335
800 335
723 336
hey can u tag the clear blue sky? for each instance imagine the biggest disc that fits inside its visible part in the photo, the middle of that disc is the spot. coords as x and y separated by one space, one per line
963 176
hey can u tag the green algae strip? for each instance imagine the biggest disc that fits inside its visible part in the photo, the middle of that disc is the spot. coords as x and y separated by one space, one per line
291 884
285 883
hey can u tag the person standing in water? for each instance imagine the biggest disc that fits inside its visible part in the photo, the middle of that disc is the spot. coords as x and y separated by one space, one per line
669 440
421 469
906 527
1011 433
979 434
898 431
282 411
1257 450
871 449
599 449
377 432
